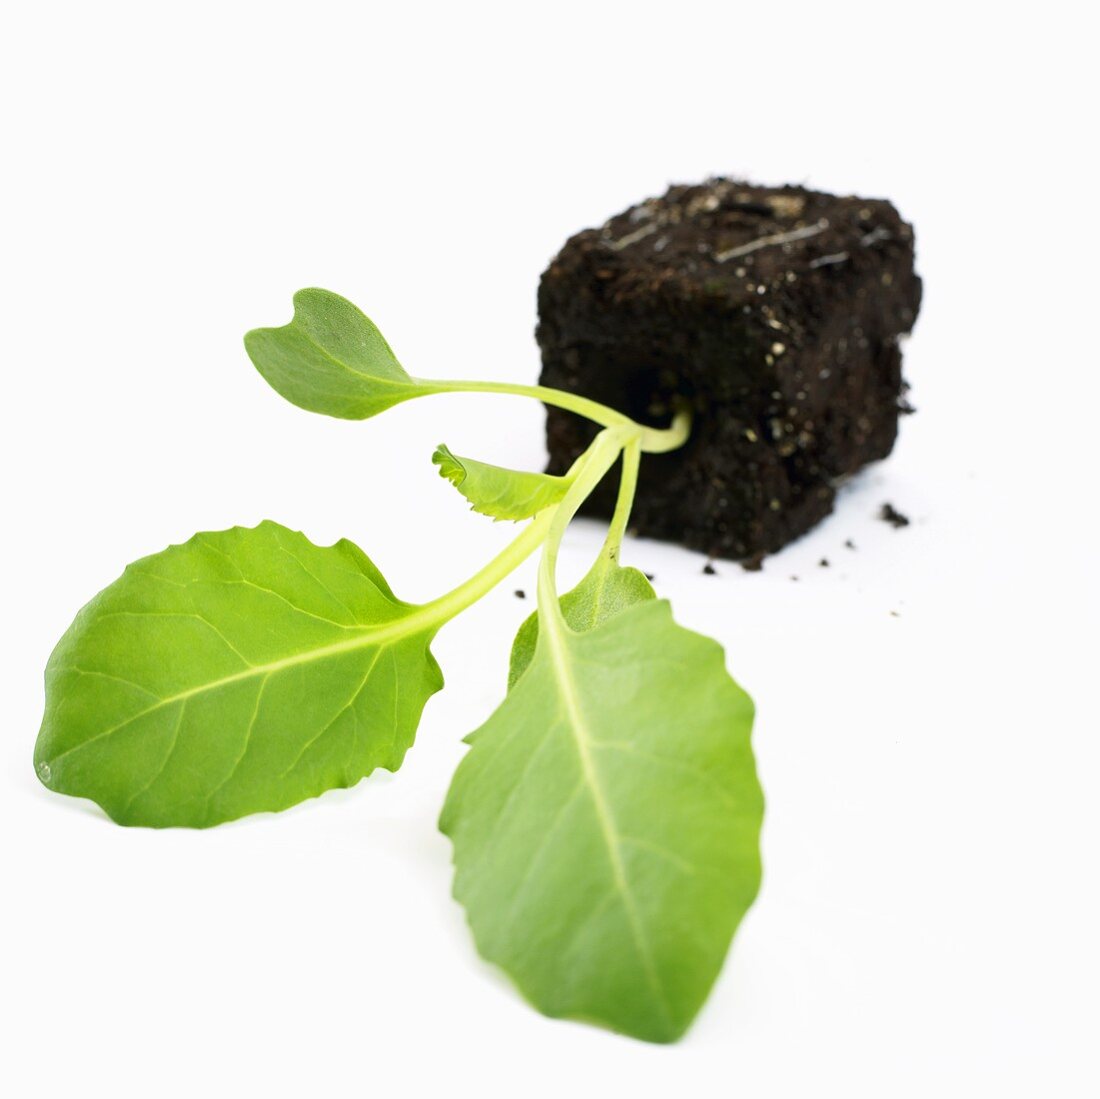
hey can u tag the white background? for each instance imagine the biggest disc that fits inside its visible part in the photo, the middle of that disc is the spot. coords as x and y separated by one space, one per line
173 173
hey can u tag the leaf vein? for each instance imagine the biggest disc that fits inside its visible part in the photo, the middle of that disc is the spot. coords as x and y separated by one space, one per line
536 857
499 834
113 678
164 763
179 614
669 761
244 748
315 578
339 713
689 867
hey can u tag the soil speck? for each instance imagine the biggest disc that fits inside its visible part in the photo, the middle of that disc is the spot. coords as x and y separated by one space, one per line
709 570
890 514
520 593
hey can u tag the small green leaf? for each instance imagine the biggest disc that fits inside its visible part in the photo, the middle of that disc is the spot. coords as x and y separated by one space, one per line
498 492
245 670
606 823
331 359
607 589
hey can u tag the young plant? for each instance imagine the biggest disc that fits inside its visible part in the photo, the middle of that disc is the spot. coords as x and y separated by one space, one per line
606 818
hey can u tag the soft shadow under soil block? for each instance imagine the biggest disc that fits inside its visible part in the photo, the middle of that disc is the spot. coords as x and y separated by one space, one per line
775 313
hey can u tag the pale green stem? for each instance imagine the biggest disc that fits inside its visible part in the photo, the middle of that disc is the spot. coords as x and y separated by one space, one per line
661 441
653 440
467 593
549 525
597 460
482 582
628 484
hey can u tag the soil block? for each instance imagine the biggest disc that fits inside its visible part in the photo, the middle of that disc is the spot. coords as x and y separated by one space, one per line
774 313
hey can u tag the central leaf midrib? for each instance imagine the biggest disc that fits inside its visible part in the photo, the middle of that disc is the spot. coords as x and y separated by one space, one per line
583 739
407 626
377 378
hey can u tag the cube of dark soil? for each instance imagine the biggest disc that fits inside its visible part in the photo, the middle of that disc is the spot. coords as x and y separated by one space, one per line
774 312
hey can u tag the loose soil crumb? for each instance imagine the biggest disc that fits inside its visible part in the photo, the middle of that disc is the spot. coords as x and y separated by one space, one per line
754 563
890 514
649 576
823 563
849 544
709 570
519 593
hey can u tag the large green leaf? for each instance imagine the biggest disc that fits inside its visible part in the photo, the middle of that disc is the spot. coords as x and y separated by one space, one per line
332 359
606 589
606 823
498 492
242 671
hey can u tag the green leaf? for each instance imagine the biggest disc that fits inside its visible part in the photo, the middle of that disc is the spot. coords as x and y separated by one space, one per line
606 823
606 590
331 359
498 492
245 670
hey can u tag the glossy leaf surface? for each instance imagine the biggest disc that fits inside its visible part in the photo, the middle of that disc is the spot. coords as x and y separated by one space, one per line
606 823
242 671
498 492
331 359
